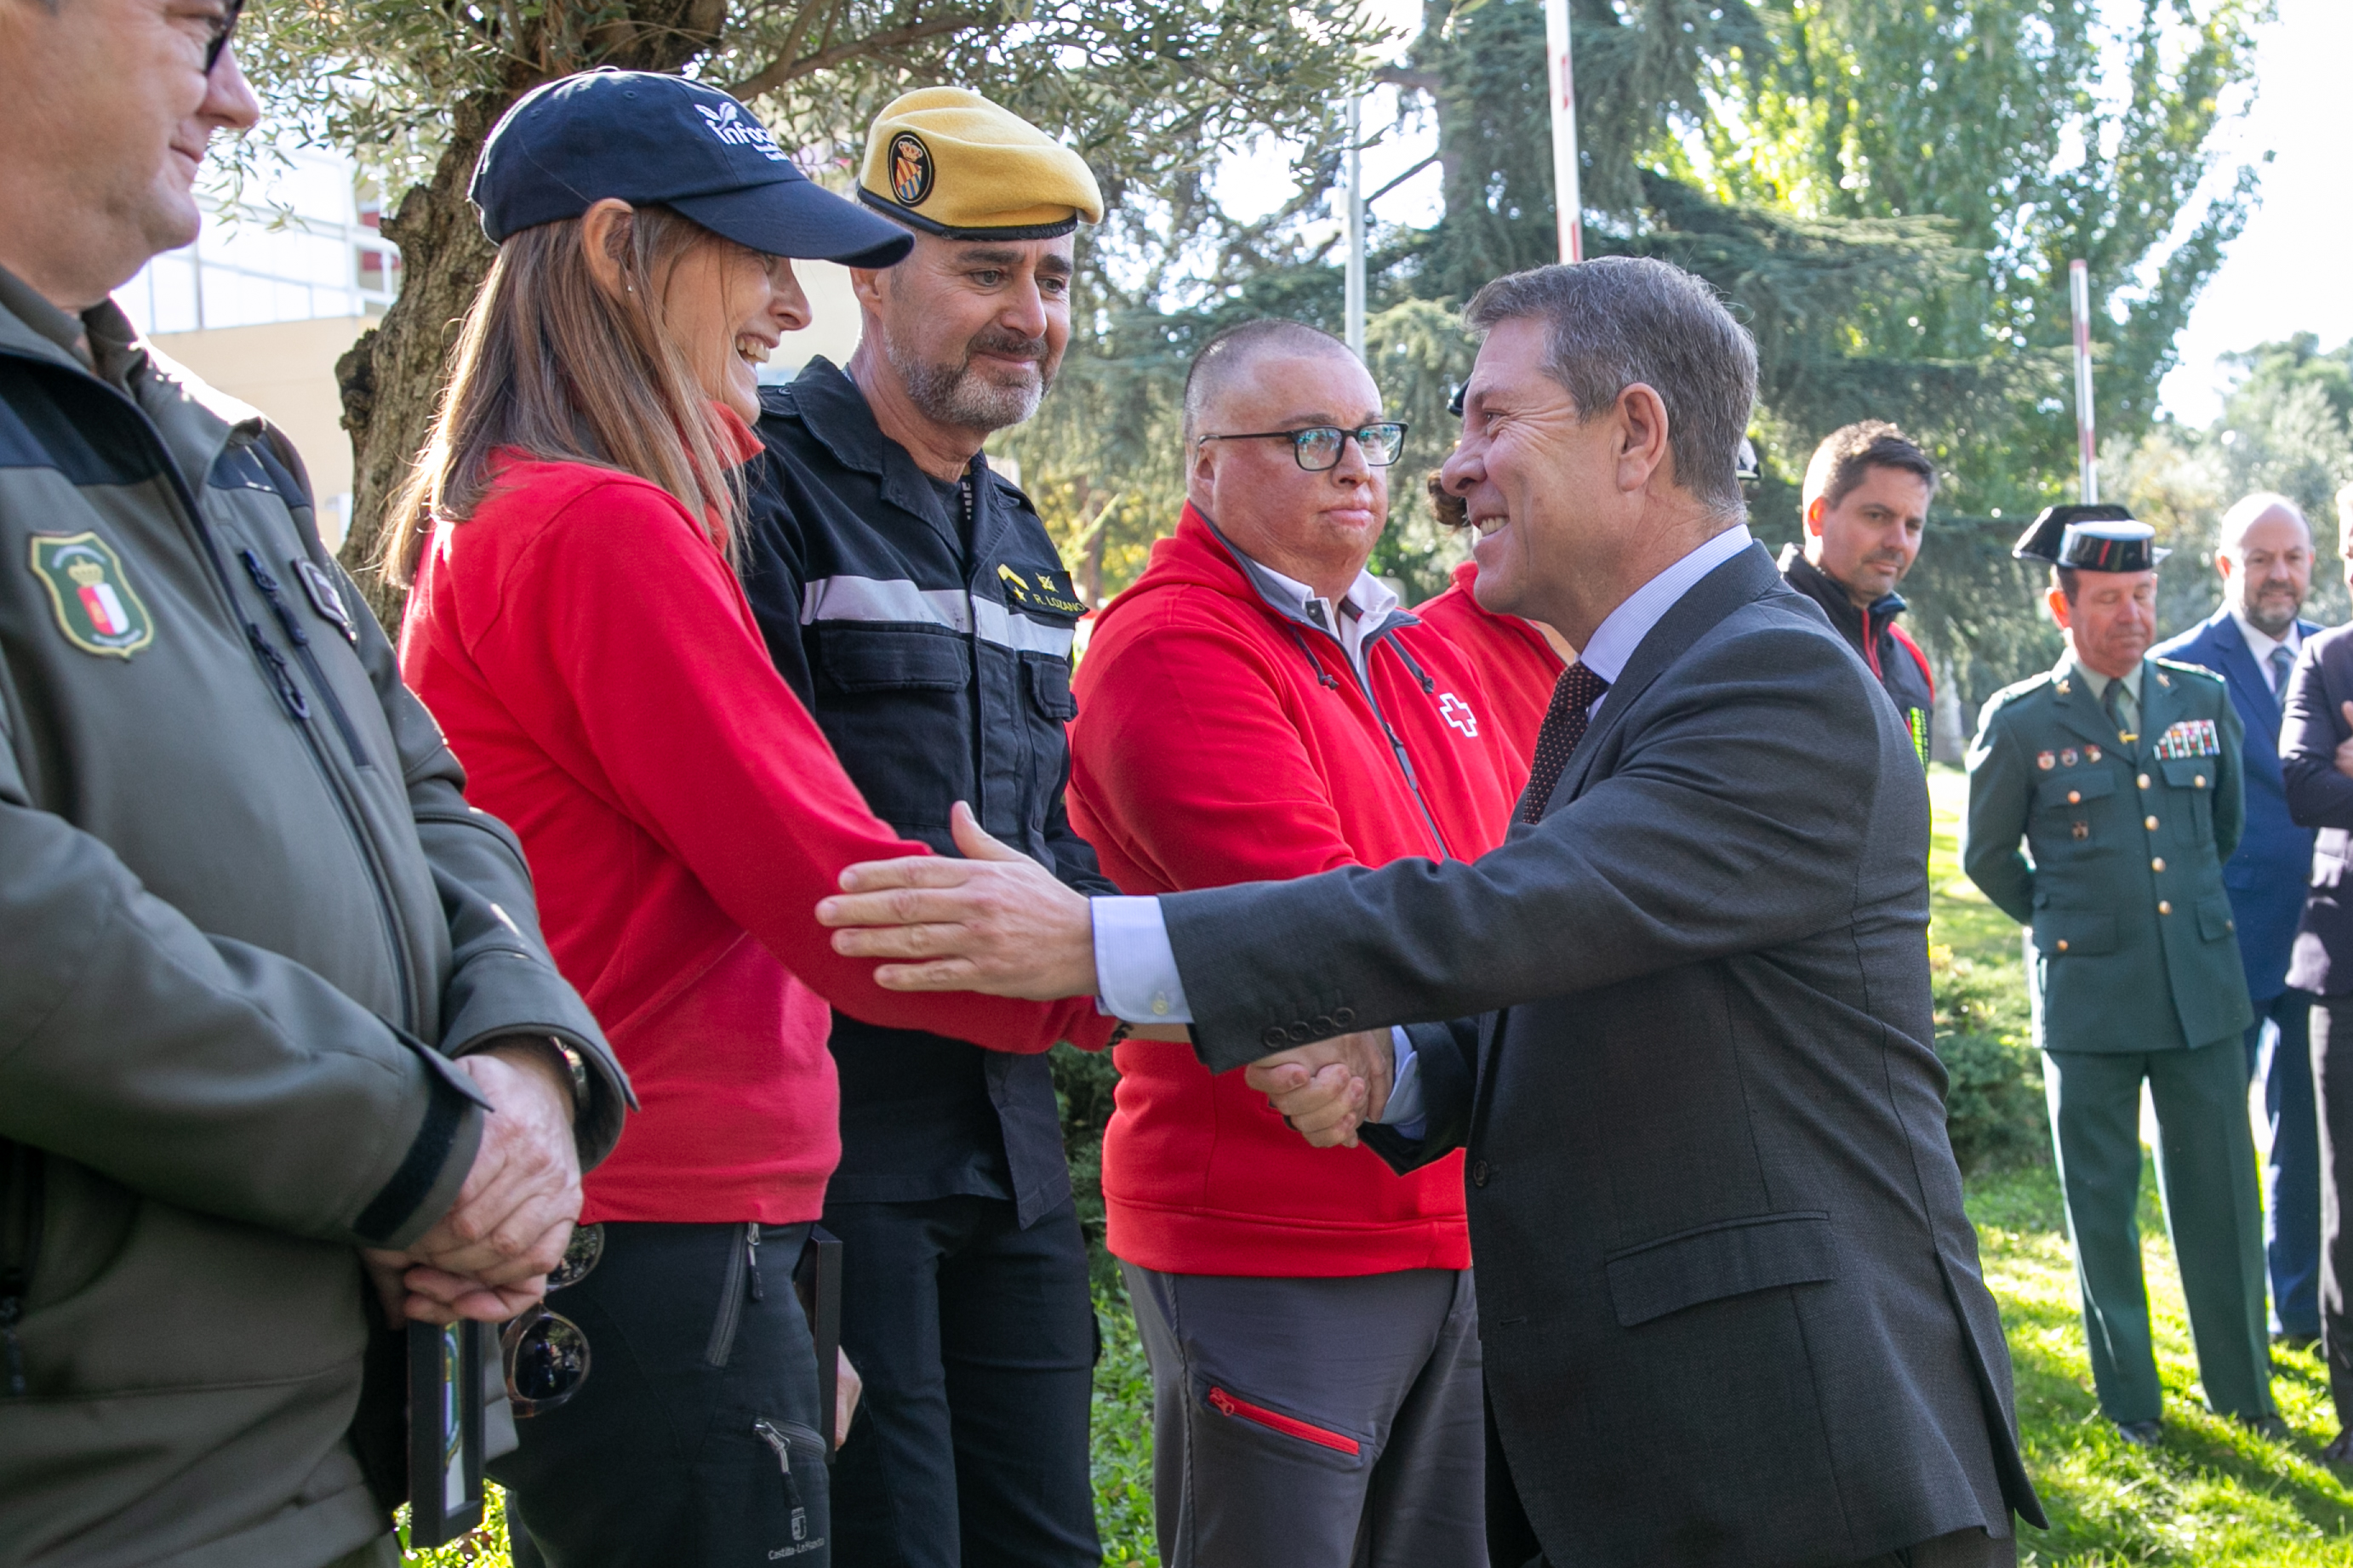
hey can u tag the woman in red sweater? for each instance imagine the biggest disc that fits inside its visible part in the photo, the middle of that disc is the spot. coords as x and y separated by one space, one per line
576 625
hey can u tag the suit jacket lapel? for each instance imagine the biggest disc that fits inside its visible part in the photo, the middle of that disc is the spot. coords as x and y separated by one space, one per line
2239 667
1747 577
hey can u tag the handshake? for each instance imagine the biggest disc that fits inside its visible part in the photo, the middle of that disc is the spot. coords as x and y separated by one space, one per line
996 921
1327 1089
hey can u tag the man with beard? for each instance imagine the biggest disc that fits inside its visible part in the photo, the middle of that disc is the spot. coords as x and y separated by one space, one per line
913 599
2120 774
1866 506
2264 559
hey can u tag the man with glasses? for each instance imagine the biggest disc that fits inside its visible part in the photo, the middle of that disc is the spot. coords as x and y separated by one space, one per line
273 994
1257 707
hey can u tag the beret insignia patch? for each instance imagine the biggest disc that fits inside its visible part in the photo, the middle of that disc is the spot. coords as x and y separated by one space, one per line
911 169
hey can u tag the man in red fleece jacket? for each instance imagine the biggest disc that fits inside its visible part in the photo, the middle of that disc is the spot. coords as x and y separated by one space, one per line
1258 707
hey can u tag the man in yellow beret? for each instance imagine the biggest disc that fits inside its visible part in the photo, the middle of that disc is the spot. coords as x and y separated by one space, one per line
913 599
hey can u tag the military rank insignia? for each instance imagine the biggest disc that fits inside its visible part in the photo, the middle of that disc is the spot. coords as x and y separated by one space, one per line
2189 738
1041 590
95 606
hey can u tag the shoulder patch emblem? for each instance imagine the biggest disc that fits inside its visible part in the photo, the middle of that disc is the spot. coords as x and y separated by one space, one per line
911 169
96 607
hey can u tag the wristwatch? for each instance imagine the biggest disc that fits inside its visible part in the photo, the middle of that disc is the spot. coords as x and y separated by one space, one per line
579 1076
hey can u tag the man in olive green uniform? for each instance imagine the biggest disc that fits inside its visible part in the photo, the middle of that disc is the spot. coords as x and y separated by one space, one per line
2121 773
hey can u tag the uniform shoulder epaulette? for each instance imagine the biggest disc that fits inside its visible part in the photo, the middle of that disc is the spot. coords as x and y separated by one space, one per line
2179 668
2018 689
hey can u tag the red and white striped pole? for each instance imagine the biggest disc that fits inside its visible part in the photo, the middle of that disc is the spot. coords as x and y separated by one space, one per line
2087 451
1567 204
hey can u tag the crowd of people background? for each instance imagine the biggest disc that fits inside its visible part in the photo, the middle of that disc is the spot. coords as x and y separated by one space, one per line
730 832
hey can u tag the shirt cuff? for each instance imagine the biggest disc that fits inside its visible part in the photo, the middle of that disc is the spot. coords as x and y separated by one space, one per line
1404 1112
1135 965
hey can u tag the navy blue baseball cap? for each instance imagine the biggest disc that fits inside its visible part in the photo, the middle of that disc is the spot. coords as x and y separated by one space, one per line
651 138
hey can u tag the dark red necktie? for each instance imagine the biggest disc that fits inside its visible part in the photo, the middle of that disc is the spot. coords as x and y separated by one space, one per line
1564 726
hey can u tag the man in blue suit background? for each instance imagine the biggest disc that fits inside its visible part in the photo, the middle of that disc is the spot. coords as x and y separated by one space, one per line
2264 559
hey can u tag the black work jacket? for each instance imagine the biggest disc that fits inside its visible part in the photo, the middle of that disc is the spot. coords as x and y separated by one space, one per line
937 657
1891 655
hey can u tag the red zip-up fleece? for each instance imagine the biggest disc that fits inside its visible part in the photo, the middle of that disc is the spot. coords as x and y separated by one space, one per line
1219 740
1515 665
597 671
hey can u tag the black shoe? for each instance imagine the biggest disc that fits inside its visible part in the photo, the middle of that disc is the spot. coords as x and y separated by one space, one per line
2340 1449
2140 1434
2294 1343
2267 1427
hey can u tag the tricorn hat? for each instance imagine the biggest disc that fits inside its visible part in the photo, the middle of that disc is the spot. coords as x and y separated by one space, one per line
2100 537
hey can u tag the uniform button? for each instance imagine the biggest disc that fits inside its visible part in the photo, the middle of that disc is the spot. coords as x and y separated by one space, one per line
1479 1175
2150 824
2199 781
2075 797
2158 864
2062 944
2164 907
1344 1016
2144 781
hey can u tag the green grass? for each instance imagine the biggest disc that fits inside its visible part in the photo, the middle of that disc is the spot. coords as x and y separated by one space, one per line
2211 1495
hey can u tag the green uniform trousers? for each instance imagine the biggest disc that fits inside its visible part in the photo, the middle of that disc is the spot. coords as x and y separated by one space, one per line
2206 1168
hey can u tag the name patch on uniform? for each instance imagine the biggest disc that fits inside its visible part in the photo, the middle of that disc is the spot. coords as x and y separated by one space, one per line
2189 738
1043 589
96 607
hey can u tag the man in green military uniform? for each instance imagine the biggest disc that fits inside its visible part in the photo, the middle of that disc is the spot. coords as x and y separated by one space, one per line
2121 773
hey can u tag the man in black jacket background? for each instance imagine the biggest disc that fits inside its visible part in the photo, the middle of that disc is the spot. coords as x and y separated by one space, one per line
913 600
1867 507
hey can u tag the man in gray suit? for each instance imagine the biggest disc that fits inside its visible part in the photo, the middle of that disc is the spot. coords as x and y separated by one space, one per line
1731 1305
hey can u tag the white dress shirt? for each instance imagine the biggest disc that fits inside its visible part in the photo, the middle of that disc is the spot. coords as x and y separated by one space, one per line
1135 968
2261 643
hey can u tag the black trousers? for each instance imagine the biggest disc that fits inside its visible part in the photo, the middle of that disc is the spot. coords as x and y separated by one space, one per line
700 1371
977 1340
2332 1080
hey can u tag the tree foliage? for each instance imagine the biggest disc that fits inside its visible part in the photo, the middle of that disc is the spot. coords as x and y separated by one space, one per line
1150 92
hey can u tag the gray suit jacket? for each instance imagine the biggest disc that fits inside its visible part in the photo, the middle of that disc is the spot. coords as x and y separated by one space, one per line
1730 1301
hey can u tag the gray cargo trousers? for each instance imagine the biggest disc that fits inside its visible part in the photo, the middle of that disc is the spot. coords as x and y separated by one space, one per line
1327 1423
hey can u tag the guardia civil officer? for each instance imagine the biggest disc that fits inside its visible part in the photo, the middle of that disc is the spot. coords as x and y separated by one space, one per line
2122 775
913 599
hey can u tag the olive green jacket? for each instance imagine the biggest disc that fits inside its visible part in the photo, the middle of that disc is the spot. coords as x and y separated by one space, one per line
2122 876
247 918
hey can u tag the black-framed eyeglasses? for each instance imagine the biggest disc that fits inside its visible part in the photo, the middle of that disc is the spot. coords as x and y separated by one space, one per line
222 27
545 1354
1319 447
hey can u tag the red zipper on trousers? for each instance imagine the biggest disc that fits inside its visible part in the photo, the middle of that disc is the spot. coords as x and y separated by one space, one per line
1225 1403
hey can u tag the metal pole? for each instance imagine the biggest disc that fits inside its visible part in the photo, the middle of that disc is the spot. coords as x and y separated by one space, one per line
1354 271
2087 451
1568 204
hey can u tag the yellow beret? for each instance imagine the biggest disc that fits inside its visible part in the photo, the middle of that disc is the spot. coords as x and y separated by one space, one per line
947 160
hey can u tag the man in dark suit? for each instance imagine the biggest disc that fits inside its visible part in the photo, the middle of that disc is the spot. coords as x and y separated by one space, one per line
2317 759
1731 1305
2264 559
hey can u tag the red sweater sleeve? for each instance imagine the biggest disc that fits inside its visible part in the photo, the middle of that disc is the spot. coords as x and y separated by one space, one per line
620 629
1157 769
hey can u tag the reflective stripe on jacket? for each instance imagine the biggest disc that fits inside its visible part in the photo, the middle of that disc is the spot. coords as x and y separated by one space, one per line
935 652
